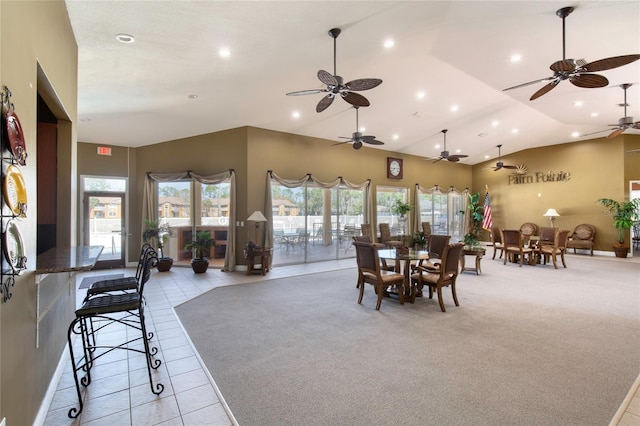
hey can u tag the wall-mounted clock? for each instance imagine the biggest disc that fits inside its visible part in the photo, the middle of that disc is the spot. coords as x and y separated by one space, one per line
394 168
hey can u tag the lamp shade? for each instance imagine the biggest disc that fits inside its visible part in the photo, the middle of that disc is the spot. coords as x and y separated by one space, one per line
551 213
257 216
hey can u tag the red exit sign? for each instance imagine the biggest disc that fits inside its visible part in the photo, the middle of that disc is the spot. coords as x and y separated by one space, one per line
104 150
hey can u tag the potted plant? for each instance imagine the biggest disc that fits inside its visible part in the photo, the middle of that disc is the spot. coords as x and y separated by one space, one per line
420 240
476 215
157 236
402 209
624 213
199 244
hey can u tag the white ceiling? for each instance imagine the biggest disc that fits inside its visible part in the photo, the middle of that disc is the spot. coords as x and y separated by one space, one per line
456 52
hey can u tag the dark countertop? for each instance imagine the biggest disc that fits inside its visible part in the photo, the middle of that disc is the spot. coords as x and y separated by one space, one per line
68 259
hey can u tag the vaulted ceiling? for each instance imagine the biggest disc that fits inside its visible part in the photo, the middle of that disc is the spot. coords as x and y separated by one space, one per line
172 83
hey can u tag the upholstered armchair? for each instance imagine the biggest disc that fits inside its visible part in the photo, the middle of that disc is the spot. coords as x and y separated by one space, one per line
528 229
582 237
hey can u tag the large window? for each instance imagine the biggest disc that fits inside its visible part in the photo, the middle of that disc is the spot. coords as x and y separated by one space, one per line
444 210
386 198
311 223
188 207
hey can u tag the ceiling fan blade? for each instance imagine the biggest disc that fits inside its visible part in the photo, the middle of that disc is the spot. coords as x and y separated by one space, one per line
355 99
509 167
367 137
599 131
438 159
545 89
453 158
615 133
345 137
529 83
496 168
306 92
324 103
327 78
589 81
609 63
372 141
341 143
566 65
363 84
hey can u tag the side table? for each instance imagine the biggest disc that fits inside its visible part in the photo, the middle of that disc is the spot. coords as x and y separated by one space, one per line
257 260
478 253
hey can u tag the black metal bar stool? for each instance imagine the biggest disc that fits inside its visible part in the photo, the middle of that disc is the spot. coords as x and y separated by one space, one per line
99 312
123 284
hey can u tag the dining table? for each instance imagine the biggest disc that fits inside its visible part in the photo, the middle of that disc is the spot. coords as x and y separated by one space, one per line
404 257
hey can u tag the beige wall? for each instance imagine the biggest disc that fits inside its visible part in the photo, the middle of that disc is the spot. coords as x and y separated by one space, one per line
599 168
38 53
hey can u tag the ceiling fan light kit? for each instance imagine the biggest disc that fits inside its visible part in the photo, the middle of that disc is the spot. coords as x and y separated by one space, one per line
578 72
336 86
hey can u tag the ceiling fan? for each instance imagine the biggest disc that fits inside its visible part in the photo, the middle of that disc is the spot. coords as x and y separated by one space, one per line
577 71
444 155
357 138
500 164
624 123
336 87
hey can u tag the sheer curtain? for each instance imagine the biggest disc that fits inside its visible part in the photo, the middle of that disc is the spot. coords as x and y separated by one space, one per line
149 203
309 179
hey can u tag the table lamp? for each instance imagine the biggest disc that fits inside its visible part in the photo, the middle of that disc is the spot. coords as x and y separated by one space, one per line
552 214
257 217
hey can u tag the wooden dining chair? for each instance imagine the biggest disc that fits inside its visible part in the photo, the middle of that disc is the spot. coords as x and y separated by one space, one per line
513 243
385 236
369 271
444 276
496 242
559 247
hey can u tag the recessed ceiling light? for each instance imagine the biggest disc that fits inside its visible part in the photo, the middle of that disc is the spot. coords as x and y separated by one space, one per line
420 95
192 96
437 146
594 114
363 129
389 43
486 157
516 57
395 136
458 151
454 108
295 114
224 52
495 123
575 134
125 38
514 131
578 103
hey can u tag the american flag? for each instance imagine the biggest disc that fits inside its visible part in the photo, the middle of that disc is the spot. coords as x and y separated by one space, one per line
487 222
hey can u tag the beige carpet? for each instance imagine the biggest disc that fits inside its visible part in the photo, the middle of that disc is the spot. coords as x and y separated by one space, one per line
527 346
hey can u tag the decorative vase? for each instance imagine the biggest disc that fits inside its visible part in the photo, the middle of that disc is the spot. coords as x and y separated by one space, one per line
164 264
199 266
620 250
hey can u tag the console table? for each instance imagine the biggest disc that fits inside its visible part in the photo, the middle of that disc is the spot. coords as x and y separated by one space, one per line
257 260
478 253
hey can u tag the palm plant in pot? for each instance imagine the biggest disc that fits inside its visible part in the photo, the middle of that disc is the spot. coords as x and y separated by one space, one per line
157 236
200 246
402 209
476 215
624 213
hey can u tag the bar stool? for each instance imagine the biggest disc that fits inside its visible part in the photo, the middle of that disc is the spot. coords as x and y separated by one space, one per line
123 284
99 312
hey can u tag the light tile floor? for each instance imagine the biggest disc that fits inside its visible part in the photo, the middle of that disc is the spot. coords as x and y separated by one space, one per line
120 393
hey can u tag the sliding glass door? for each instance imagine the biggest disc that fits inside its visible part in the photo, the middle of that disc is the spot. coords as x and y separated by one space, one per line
312 224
